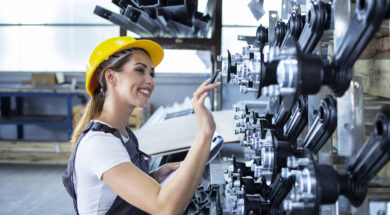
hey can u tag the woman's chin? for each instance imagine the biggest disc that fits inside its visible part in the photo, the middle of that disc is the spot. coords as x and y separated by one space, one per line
143 104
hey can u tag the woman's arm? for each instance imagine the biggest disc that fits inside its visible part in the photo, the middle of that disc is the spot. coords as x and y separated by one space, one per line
140 190
162 172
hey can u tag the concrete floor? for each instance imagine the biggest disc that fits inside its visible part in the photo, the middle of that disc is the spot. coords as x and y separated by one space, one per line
38 189
33 189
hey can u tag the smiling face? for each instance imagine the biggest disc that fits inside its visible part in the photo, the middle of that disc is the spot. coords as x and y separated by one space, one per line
134 84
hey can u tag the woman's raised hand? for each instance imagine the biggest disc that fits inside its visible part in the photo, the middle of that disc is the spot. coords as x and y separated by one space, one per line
205 118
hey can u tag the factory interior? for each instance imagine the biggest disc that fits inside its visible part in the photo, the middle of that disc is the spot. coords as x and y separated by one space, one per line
300 113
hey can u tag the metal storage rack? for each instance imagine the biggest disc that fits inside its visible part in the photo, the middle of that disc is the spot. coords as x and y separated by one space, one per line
21 120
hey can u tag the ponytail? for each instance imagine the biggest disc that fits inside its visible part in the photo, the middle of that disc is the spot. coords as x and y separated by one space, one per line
93 109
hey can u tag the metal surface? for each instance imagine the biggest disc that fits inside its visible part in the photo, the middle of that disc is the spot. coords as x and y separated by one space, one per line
349 106
350 127
342 16
273 19
216 171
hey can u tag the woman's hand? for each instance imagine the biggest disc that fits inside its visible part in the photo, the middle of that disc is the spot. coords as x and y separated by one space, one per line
162 172
205 118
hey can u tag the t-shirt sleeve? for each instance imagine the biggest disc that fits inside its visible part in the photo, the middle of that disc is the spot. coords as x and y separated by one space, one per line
104 151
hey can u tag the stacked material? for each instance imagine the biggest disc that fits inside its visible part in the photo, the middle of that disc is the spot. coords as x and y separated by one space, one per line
161 18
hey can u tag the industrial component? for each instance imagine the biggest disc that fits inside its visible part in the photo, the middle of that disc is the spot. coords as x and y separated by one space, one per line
317 20
261 40
294 26
280 33
324 125
298 119
280 172
321 184
121 20
307 34
302 73
159 18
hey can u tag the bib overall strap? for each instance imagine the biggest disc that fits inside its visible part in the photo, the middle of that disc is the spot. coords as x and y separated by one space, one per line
67 176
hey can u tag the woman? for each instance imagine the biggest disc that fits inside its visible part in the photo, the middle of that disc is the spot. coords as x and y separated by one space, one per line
107 174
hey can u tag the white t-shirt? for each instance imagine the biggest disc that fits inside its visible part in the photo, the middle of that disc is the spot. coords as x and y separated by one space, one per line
97 153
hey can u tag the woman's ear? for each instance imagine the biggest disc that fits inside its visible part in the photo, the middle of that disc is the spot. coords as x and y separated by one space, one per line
110 77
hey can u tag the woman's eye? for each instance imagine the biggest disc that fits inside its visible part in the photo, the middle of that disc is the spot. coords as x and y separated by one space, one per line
153 75
141 70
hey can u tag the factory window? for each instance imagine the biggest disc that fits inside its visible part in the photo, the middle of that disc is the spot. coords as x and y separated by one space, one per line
59 35
50 35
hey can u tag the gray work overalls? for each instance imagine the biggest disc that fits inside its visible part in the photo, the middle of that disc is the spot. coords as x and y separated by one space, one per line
137 158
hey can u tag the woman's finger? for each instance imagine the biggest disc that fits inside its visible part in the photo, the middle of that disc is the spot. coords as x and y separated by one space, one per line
205 83
207 88
202 98
174 166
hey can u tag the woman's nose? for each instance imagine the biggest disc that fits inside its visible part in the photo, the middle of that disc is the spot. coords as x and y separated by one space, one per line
149 79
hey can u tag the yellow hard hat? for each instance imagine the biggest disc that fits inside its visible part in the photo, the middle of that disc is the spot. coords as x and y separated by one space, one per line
113 45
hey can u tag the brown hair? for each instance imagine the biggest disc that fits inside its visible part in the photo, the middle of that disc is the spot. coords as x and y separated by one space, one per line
95 104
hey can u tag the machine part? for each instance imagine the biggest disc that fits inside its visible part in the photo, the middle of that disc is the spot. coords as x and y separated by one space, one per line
123 4
251 205
296 72
237 168
179 10
280 33
324 125
202 202
310 74
147 3
322 184
298 119
141 18
288 68
206 199
180 29
267 76
243 127
279 190
248 185
294 26
232 67
261 40
374 154
303 198
281 119
317 20
121 20
268 71
273 156
162 18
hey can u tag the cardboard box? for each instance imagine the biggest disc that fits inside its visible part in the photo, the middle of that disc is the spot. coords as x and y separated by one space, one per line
139 116
43 79
77 113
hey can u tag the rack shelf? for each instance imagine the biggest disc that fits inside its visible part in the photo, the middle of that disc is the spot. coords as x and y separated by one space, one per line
21 120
